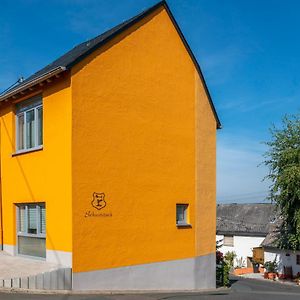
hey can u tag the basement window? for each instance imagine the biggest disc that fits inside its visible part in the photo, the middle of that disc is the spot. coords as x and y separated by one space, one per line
31 229
182 215
29 124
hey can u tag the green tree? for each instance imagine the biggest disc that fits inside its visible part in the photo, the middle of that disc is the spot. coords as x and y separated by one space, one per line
283 160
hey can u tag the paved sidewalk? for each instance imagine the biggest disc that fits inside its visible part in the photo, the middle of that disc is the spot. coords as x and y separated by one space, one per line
260 276
15 266
253 276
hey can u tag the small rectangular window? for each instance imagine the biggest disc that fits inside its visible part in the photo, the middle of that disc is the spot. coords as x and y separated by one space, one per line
29 124
298 259
228 240
182 214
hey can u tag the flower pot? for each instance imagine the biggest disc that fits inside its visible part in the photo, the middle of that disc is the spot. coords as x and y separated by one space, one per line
271 275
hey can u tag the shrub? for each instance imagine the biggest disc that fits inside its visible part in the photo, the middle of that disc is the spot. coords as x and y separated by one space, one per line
229 258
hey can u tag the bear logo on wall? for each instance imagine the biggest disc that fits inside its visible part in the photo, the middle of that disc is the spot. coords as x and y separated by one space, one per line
98 200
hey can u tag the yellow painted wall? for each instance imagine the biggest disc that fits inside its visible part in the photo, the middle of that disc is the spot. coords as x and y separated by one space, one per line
42 176
1 221
205 173
134 139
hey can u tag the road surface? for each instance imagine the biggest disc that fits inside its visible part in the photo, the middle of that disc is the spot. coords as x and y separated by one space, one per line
242 289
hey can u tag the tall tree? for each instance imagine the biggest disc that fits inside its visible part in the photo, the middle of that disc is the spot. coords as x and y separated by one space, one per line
283 160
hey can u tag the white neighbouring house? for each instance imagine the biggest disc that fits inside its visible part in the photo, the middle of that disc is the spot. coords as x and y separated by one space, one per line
288 261
241 227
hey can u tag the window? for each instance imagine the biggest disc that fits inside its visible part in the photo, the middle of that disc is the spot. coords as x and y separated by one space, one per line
29 124
31 229
182 214
228 240
298 259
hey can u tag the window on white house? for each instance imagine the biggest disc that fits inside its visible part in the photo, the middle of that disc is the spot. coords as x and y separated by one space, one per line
228 240
29 124
31 229
182 214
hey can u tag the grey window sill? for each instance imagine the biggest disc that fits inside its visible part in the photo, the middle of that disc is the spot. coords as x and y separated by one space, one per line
21 152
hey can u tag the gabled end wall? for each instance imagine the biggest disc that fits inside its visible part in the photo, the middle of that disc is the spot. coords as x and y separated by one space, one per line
138 148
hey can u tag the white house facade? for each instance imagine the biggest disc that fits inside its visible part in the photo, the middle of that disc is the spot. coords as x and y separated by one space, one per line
241 227
242 246
288 261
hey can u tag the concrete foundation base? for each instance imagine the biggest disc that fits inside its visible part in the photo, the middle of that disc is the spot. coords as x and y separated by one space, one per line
186 274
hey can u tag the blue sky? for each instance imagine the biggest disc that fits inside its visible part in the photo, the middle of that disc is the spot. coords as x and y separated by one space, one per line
248 51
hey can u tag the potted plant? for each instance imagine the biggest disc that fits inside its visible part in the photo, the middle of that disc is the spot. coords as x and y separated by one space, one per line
297 278
271 269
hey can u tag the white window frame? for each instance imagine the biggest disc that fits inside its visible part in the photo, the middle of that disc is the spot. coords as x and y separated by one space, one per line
38 225
39 234
185 221
31 104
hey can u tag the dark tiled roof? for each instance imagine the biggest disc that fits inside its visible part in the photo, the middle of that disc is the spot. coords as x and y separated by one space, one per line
245 219
271 238
79 52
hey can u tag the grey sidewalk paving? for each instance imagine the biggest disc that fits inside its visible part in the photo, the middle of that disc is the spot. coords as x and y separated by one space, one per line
15 266
260 276
253 276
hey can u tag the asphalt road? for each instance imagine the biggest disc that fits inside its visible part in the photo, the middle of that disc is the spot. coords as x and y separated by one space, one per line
242 289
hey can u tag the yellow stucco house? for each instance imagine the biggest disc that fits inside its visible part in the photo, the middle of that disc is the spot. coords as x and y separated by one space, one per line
108 161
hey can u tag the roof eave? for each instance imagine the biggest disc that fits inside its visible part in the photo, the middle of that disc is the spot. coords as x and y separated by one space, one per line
242 233
31 83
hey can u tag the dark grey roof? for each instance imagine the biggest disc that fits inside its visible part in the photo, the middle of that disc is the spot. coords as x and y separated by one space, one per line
79 52
271 238
245 219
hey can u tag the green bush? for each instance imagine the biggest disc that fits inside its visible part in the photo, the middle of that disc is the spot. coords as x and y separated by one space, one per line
222 273
229 258
226 270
